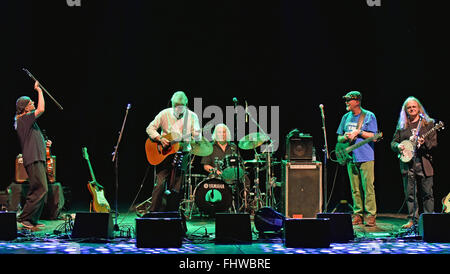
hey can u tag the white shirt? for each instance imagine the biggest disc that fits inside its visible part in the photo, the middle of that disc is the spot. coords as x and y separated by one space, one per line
168 123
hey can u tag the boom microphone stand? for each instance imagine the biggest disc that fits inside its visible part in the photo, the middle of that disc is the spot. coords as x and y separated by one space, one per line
115 160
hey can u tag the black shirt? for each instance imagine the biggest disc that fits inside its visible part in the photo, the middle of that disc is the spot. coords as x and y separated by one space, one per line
219 153
31 139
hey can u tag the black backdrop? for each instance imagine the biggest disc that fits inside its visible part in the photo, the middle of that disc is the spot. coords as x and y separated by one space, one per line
97 58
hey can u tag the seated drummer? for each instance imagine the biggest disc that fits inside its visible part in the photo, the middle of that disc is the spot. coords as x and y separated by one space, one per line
221 148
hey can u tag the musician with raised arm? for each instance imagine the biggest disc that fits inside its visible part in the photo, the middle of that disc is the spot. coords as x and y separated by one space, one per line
34 157
183 126
412 124
356 125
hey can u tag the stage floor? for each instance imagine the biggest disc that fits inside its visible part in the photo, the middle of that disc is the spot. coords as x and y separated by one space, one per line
386 238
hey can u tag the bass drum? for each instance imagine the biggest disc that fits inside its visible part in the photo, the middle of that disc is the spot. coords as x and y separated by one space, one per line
213 195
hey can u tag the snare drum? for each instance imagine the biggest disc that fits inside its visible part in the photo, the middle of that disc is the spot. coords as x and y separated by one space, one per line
229 168
213 195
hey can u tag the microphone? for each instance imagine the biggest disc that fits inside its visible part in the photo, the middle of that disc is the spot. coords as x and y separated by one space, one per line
421 116
235 100
321 111
128 106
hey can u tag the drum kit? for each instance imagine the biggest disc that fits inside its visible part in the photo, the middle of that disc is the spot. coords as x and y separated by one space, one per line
229 190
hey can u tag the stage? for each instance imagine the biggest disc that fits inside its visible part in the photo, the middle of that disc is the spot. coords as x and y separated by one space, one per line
55 238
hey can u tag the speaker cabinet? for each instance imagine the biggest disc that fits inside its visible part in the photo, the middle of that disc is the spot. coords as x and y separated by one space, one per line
93 225
233 228
8 227
435 227
308 232
53 205
20 172
341 226
300 147
158 232
302 189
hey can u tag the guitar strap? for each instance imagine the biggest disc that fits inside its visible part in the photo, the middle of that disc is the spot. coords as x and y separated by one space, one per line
361 119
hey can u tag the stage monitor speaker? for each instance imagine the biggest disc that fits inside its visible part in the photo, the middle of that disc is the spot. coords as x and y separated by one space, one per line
169 214
233 228
341 226
302 189
8 226
307 232
93 225
158 232
300 147
435 227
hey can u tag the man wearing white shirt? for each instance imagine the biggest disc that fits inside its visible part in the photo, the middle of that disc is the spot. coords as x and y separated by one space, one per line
183 124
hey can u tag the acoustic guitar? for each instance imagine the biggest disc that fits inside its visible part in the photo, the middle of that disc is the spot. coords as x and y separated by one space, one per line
343 150
99 202
446 204
155 151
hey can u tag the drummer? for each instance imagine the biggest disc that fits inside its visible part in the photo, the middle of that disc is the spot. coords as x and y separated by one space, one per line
222 147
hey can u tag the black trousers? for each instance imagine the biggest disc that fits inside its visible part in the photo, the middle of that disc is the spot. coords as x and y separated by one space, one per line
414 177
38 188
168 188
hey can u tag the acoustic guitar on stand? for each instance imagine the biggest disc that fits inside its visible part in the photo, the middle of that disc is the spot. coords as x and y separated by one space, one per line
446 204
99 203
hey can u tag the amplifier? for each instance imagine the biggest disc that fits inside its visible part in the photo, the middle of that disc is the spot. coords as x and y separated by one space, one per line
302 189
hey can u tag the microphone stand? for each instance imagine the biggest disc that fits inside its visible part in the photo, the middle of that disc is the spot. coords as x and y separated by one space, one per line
236 198
115 160
325 158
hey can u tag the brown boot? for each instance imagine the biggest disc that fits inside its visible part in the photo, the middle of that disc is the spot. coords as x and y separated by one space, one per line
409 224
370 221
357 220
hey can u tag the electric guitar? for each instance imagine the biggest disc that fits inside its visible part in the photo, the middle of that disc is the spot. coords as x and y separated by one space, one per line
99 202
409 146
446 204
342 150
155 151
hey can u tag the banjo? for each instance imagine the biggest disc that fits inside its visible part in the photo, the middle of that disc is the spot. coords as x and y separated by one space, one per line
409 146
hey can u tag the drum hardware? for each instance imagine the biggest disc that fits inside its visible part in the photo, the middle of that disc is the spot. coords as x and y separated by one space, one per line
143 208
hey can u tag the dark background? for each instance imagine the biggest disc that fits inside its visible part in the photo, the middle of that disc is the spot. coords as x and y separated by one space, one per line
97 58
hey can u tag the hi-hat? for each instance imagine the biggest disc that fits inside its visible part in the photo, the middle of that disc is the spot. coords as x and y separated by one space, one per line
253 140
201 148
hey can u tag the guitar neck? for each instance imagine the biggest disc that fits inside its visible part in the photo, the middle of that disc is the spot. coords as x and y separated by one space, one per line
429 132
357 145
91 171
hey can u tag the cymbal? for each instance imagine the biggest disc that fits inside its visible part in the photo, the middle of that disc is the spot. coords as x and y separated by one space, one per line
253 140
201 148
